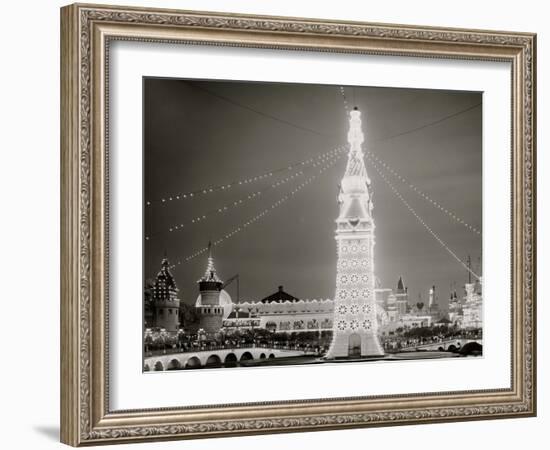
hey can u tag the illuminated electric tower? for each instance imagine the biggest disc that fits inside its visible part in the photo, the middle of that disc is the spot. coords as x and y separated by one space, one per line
355 326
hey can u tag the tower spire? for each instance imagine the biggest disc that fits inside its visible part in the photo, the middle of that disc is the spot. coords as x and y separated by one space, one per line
210 272
355 326
356 164
355 197
210 286
400 286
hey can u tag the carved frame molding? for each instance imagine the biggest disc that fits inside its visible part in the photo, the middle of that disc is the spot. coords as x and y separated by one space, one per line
86 31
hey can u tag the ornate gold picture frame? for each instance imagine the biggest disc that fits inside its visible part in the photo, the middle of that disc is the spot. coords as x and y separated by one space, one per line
86 34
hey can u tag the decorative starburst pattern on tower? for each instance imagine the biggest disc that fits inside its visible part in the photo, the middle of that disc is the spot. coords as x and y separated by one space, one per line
355 307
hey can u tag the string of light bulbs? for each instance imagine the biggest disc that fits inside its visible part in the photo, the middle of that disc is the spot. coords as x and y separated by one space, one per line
422 222
410 185
262 213
346 104
236 203
422 194
167 199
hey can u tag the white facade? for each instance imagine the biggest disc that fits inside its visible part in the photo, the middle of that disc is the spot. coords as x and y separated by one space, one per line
472 309
408 321
278 317
467 312
299 315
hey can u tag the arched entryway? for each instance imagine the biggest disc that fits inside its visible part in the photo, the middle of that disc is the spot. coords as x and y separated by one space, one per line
158 366
230 360
193 363
174 365
213 361
246 356
354 347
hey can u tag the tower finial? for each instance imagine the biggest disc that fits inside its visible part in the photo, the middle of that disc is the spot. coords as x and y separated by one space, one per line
210 272
400 285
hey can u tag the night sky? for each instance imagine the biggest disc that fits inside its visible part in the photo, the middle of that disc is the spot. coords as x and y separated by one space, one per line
199 134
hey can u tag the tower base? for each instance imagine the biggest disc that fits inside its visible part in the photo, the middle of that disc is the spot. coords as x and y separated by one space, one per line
354 345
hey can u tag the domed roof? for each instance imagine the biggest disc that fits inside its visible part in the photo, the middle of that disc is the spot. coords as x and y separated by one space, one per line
279 297
225 301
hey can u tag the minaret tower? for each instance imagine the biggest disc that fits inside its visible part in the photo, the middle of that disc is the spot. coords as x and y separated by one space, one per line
355 327
210 286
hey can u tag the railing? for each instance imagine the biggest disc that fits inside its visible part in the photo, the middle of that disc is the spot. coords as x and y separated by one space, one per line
407 346
210 348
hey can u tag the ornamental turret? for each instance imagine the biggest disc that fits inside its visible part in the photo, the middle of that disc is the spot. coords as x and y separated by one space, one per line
210 286
401 298
165 299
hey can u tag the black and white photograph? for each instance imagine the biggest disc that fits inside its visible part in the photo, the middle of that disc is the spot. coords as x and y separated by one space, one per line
275 224
288 224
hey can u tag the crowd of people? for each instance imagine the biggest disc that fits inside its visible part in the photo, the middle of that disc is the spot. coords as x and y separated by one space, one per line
159 341
403 339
